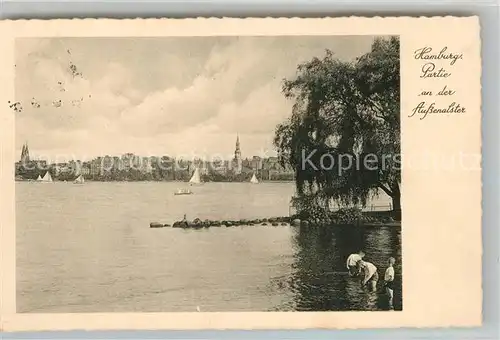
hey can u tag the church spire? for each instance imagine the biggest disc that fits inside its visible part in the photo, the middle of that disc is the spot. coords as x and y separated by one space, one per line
25 153
237 155
237 151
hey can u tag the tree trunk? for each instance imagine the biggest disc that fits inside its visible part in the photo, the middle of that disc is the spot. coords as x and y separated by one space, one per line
396 201
396 207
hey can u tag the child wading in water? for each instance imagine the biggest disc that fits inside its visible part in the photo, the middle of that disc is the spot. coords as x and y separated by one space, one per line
353 263
389 281
371 275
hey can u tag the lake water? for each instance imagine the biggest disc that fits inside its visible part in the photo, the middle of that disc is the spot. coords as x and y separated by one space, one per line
89 248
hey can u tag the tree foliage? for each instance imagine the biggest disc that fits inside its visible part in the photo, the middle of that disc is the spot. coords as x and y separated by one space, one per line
347 110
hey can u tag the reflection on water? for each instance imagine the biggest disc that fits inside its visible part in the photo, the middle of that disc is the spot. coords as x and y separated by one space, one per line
90 249
320 280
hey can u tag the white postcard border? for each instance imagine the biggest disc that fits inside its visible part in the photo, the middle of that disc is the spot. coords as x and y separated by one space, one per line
442 275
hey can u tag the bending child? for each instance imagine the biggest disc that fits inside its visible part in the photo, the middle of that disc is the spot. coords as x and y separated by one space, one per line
371 275
353 261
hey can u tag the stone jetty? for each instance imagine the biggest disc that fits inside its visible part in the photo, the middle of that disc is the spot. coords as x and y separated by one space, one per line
198 223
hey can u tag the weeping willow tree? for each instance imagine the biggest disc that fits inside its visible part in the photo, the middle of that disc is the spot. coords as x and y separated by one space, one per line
343 135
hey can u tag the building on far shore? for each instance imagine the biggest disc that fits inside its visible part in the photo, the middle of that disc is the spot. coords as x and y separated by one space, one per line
25 154
26 167
237 162
85 170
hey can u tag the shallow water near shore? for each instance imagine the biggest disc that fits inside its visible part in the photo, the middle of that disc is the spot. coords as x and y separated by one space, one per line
89 248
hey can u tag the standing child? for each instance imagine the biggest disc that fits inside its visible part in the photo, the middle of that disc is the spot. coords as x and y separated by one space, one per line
389 281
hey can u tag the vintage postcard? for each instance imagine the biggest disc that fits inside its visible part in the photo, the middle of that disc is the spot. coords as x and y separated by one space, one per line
240 173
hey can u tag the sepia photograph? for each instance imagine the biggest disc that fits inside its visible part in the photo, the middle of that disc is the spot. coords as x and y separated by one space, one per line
240 174
208 174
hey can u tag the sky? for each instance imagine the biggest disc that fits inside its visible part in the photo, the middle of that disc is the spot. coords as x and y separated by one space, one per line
182 96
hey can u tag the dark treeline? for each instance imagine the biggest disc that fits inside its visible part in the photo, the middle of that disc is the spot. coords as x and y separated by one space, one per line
153 175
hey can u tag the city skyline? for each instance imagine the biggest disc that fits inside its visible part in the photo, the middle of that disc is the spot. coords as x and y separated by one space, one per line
236 160
27 154
130 166
156 96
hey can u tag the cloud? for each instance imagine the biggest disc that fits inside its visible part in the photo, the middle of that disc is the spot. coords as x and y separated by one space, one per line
210 93
160 96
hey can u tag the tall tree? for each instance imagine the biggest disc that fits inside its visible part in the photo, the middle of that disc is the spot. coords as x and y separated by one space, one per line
343 135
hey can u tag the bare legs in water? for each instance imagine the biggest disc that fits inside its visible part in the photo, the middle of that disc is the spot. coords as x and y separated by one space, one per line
390 295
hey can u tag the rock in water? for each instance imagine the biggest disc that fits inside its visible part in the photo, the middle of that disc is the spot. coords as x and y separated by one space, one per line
180 224
155 225
197 223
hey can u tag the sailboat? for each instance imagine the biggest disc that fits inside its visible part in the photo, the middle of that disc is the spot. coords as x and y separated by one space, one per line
254 179
183 192
79 180
195 179
47 177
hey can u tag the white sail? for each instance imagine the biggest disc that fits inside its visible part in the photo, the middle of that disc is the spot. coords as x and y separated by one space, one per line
195 179
254 180
79 180
47 177
39 178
